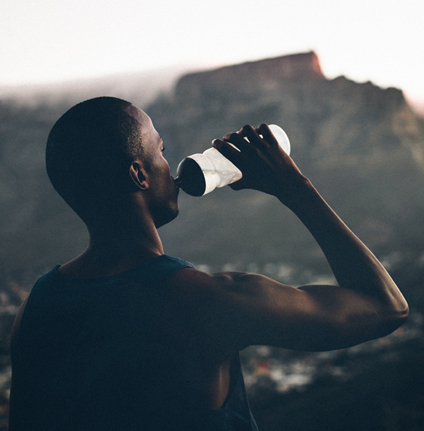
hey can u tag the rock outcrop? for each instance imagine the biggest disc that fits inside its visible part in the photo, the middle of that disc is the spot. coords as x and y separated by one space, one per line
362 145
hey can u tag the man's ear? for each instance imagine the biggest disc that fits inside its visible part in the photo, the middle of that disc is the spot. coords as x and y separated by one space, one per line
138 175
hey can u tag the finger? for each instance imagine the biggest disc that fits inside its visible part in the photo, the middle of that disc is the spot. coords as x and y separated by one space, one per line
266 133
252 135
239 141
227 150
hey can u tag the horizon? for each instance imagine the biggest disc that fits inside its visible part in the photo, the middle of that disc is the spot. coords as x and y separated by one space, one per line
164 77
49 43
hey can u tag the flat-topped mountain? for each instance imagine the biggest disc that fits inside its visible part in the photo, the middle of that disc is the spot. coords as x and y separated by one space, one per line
259 74
361 145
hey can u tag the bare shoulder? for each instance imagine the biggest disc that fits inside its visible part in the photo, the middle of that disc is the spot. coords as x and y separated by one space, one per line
199 289
234 309
235 294
192 284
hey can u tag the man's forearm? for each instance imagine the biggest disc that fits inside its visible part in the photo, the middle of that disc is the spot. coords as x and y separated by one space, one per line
353 264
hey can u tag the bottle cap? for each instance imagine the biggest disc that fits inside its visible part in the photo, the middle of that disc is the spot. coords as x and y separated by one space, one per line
194 182
281 136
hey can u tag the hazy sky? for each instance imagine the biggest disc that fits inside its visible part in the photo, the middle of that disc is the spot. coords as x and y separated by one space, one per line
47 40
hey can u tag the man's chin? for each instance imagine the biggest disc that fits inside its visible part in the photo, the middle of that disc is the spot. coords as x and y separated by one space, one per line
170 215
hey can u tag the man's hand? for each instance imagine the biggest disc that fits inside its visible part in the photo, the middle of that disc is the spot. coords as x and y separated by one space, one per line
264 164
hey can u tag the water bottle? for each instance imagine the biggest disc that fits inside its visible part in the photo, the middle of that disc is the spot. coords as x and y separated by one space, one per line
199 174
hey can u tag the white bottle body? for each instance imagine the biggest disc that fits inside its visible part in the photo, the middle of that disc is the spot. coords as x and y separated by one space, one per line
218 171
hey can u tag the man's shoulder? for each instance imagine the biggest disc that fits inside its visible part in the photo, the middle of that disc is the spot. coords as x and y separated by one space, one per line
194 285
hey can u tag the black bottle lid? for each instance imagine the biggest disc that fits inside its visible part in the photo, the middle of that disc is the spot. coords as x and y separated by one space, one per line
190 177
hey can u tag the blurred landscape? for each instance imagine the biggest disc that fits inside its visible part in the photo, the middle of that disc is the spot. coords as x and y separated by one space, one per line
362 146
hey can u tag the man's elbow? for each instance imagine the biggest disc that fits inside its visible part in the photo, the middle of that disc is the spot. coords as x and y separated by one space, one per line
395 318
401 310
402 313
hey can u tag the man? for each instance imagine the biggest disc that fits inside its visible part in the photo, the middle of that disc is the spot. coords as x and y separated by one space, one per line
124 337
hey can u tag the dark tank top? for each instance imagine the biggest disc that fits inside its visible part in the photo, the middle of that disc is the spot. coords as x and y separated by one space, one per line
93 356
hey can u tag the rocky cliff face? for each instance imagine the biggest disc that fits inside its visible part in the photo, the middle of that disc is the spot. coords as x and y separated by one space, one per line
248 79
338 114
360 144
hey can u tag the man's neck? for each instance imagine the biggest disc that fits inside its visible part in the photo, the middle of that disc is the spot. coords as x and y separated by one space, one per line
115 248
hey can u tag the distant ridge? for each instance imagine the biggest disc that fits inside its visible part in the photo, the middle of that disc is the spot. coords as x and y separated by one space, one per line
142 87
290 66
362 146
262 72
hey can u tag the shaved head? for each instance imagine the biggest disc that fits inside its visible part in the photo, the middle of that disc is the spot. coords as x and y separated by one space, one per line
89 151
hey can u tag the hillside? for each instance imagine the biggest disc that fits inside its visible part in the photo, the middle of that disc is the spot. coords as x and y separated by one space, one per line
363 148
361 145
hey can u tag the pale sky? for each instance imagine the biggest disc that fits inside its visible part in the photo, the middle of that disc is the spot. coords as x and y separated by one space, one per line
44 41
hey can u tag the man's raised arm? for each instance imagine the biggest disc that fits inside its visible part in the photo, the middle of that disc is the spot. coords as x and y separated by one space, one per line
237 309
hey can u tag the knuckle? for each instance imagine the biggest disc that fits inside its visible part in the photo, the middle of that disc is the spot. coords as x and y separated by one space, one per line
231 136
263 128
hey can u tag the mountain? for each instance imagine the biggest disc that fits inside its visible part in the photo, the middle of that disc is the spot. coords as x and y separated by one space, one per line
361 145
363 148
